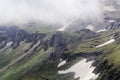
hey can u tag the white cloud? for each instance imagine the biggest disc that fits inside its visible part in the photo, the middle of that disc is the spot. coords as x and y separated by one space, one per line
22 11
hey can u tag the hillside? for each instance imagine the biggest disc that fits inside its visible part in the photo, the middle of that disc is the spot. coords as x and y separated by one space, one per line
60 40
35 56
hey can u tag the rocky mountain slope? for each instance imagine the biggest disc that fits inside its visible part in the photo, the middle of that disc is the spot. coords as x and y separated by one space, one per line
35 56
38 51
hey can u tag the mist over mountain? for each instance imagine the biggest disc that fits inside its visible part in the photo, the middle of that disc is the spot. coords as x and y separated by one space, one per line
59 39
54 11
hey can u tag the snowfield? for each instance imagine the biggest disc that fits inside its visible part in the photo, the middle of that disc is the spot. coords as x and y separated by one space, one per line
82 69
106 43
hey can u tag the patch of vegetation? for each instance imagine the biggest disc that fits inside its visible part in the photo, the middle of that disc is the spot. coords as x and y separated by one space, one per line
15 71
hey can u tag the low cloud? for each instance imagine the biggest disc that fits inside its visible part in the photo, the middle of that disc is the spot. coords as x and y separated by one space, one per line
50 11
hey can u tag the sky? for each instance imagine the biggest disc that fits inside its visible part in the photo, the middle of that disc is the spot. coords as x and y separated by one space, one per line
49 11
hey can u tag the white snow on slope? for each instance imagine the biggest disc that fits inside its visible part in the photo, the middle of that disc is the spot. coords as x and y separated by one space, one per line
62 63
95 77
90 27
101 30
22 42
106 43
81 69
9 43
111 21
110 8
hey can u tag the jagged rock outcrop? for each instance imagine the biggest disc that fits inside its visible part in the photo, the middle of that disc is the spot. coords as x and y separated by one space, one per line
18 35
107 71
60 42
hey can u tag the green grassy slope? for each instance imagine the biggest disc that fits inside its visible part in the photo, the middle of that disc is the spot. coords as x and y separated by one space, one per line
17 64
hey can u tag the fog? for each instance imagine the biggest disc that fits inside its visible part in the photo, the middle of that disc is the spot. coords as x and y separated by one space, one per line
49 11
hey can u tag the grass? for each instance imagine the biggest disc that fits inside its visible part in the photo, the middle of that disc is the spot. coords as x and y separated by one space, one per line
41 29
9 55
15 71
114 56
32 67
88 45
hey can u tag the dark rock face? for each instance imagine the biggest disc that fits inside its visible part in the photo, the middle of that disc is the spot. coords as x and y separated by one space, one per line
111 2
59 42
3 44
85 34
79 24
107 71
117 37
7 33
69 76
116 24
69 56
18 35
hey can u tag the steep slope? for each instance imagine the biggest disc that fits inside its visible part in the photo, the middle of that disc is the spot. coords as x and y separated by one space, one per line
36 56
23 54
108 64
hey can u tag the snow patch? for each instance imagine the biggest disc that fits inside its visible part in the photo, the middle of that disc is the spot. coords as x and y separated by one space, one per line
61 63
106 43
61 59
90 27
82 69
9 44
111 21
22 42
95 77
101 30
110 8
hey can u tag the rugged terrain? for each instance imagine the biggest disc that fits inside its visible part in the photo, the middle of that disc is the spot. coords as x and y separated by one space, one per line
34 51
35 56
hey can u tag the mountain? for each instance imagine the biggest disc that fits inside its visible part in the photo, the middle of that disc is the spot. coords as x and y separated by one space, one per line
35 56
79 50
109 19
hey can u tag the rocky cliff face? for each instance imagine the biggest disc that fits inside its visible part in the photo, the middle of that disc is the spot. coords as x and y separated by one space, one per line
107 71
26 55
17 36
